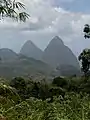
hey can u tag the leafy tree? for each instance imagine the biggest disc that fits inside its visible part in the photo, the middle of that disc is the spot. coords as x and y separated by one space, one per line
35 90
86 30
20 85
11 8
84 57
60 82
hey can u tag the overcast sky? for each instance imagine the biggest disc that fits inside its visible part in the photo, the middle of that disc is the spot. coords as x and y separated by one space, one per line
49 18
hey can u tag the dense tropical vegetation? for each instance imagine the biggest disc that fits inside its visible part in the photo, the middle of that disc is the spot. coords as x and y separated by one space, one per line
62 99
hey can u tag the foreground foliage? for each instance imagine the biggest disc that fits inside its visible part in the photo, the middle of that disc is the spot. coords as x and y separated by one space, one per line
84 57
72 107
31 104
12 9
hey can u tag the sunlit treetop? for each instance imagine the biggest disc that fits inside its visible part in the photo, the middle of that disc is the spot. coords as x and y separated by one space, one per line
12 9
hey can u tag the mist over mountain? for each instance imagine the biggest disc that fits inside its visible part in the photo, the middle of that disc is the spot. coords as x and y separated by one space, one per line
29 49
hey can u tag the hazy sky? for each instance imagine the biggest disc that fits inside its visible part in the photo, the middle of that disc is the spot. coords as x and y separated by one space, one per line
49 18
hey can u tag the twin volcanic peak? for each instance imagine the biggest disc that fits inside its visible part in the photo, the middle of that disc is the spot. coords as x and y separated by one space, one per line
56 59
29 49
55 54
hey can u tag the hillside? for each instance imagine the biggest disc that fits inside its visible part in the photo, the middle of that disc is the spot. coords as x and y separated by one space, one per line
13 64
67 70
7 54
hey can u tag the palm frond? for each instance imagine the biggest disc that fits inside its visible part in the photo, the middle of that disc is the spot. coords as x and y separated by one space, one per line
23 16
8 8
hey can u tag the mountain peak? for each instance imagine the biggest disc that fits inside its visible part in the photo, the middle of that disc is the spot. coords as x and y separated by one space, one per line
56 37
29 49
29 42
57 53
57 40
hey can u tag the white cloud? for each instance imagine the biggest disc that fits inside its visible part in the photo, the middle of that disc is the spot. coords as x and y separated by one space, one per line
59 1
46 21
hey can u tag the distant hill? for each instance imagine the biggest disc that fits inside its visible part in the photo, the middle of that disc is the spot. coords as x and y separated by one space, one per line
29 49
12 64
7 54
57 54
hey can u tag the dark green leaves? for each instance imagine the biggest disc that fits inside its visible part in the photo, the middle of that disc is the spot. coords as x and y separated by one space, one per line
86 30
12 9
84 57
18 5
23 16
